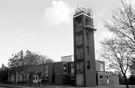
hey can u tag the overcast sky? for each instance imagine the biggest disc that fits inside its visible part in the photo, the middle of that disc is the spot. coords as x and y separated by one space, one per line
46 26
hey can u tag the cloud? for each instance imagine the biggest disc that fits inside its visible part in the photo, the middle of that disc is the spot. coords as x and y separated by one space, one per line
23 34
59 12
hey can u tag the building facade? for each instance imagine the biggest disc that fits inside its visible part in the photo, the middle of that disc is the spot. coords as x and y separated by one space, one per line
63 73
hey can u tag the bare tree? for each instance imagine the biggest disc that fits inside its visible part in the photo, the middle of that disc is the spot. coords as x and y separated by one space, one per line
132 67
123 23
121 50
117 55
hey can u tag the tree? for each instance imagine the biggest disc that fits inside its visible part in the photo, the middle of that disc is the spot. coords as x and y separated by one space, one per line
123 23
28 63
4 73
132 80
117 55
31 58
17 60
132 67
27 59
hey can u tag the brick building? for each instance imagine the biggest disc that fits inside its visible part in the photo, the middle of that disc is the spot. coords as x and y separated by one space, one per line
63 73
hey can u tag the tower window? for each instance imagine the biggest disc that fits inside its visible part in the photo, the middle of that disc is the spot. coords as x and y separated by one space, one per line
79 37
87 36
88 64
101 76
79 51
86 21
107 76
79 19
88 50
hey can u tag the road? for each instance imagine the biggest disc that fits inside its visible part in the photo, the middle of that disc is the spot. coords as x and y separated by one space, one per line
105 86
6 86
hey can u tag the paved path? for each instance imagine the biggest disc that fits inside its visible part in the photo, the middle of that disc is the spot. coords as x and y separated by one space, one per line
62 86
120 86
109 86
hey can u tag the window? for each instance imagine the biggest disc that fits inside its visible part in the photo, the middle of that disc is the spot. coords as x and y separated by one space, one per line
91 22
72 77
101 67
79 19
65 68
87 21
101 76
88 64
46 69
79 37
79 67
46 77
107 76
88 49
72 68
87 36
79 53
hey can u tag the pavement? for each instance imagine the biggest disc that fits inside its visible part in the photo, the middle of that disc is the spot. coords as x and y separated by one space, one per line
61 86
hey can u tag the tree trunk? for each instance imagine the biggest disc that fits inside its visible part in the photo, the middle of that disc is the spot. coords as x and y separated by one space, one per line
16 78
22 77
126 81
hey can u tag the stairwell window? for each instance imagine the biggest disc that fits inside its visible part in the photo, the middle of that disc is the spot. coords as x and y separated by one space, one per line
88 64
88 50
87 36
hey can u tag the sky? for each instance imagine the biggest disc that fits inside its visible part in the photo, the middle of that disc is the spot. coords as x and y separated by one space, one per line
46 26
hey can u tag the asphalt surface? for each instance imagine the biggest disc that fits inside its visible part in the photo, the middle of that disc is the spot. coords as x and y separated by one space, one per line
62 86
7 86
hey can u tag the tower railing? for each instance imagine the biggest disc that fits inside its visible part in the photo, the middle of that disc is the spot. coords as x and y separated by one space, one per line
84 10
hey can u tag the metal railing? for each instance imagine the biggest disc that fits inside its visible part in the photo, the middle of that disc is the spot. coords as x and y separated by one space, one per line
84 10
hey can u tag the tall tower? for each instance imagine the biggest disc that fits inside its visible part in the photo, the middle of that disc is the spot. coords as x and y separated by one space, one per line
84 52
